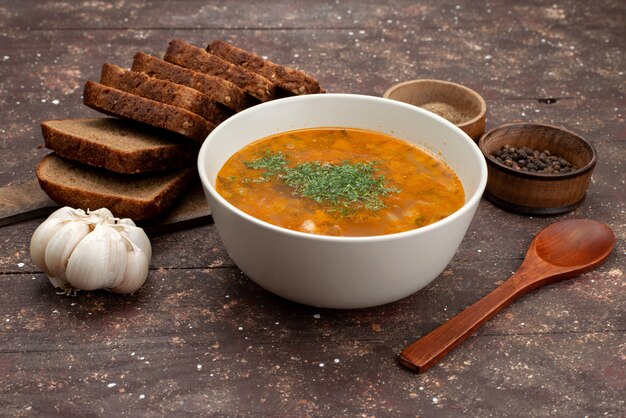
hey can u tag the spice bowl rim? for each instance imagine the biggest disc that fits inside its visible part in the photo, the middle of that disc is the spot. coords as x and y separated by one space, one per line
530 175
468 91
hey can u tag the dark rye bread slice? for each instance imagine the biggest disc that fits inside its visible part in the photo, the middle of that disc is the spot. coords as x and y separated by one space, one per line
116 102
288 79
135 196
163 91
198 59
119 145
216 88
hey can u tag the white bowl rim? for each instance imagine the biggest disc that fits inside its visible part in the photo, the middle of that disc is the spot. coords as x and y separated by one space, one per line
467 206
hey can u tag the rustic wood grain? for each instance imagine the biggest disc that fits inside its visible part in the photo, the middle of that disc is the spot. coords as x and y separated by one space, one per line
201 339
24 200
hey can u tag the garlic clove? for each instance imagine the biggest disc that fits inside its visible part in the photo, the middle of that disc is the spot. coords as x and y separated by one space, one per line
126 221
135 274
40 239
67 213
47 229
102 215
137 236
61 245
98 261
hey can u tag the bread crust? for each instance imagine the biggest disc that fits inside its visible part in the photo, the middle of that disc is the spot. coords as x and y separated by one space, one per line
86 140
218 89
198 59
71 183
164 91
119 103
290 80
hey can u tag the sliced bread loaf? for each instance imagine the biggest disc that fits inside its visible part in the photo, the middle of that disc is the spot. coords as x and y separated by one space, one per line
119 145
116 102
163 91
198 59
216 88
135 196
288 79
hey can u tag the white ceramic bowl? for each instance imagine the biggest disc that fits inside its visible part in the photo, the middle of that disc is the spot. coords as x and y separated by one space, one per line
341 272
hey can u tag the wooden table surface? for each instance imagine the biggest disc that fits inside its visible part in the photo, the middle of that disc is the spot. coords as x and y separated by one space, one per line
201 339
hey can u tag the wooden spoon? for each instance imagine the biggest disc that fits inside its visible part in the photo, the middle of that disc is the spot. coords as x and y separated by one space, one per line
563 250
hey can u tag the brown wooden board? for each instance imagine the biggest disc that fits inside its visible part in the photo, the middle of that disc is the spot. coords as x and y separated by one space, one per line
202 339
26 200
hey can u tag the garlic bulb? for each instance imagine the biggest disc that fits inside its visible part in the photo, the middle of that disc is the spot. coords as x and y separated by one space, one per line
91 250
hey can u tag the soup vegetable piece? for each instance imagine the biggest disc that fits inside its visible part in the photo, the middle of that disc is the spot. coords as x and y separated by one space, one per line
340 182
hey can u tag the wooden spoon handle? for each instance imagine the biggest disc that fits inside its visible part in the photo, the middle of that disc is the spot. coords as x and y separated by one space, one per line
426 351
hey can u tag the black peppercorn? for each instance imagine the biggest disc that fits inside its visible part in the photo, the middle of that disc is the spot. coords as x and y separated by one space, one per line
532 160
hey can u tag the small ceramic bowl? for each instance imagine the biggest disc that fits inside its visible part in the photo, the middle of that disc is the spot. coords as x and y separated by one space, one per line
341 272
532 193
454 102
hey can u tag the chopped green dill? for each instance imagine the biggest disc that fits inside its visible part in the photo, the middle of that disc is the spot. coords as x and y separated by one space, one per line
272 164
346 187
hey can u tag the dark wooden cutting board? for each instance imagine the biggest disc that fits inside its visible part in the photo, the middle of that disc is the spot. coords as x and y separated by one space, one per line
25 200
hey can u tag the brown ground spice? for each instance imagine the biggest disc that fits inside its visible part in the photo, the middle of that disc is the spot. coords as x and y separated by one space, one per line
446 111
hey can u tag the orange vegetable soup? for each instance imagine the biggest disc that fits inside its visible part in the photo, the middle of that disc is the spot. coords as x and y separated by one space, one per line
341 182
